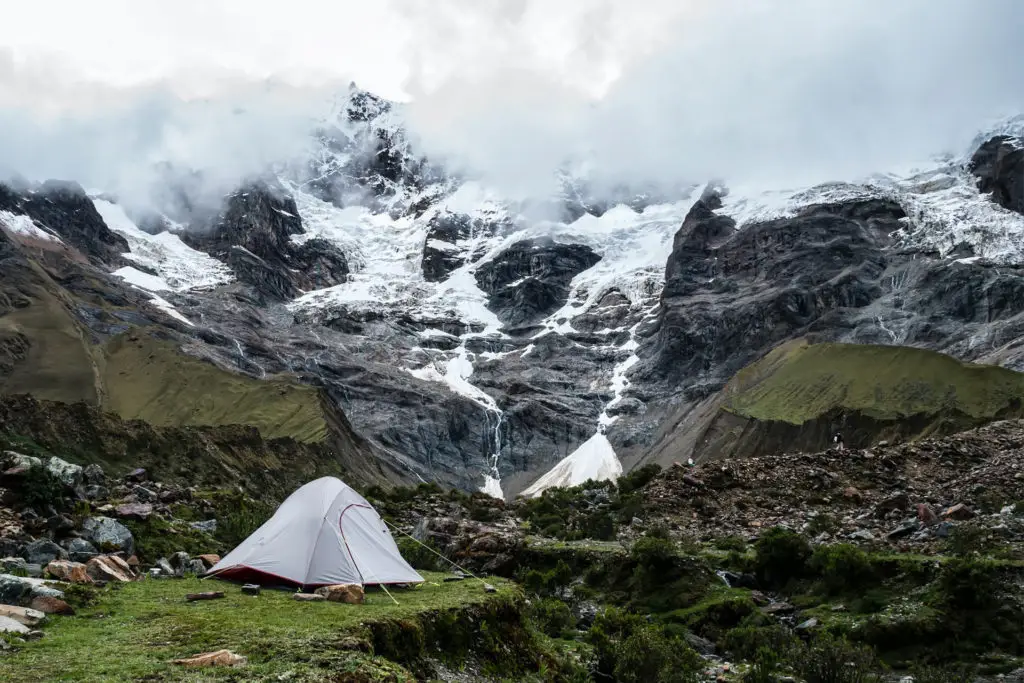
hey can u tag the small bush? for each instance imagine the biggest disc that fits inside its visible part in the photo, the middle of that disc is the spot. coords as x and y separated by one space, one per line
420 557
842 567
745 642
781 554
544 583
731 543
823 523
967 584
648 655
968 539
238 516
638 478
828 659
41 489
765 663
553 617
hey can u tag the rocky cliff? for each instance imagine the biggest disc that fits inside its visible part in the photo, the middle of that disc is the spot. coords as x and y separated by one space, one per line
470 342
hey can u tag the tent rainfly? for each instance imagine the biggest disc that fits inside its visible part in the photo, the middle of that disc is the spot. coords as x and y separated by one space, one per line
324 533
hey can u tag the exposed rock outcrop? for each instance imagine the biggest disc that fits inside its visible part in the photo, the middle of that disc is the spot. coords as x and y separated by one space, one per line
999 166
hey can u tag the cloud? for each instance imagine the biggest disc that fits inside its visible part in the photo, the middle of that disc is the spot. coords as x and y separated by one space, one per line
774 92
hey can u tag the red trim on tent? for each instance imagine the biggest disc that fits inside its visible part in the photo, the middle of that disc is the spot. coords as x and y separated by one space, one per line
341 528
246 574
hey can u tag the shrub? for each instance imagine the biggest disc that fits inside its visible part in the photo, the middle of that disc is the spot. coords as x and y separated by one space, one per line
781 554
828 659
731 543
654 557
638 478
932 674
548 582
842 566
238 516
765 663
744 642
40 489
968 539
823 523
553 617
419 555
967 584
648 655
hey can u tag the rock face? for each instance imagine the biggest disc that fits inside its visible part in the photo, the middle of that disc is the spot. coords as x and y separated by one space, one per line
109 534
999 166
530 279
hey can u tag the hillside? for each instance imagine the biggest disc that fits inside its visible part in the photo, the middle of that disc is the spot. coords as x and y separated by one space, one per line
800 394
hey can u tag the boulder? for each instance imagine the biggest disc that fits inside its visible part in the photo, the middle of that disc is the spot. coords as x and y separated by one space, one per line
23 615
207 526
10 547
60 525
13 459
196 567
80 550
164 566
69 475
308 597
104 568
93 475
109 534
209 559
72 572
96 492
139 512
137 475
926 515
43 552
218 658
145 495
8 625
14 589
48 605
351 593
13 564
959 512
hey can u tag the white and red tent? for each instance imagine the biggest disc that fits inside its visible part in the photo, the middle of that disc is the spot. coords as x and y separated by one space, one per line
324 533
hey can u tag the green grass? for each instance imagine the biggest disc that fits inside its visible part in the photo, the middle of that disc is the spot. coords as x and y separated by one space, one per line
798 382
134 632
151 380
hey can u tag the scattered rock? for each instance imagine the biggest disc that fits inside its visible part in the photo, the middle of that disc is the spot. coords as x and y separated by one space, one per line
351 593
43 552
899 502
926 515
48 605
862 535
251 589
196 567
308 597
93 475
210 559
210 595
807 625
15 460
902 531
23 615
851 493
109 534
702 645
207 526
959 512
488 588
218 658
96 492
164 566
80 550
179 561
779 608
139 512
106 568
67 474
72 572
8 625
145 495
137 475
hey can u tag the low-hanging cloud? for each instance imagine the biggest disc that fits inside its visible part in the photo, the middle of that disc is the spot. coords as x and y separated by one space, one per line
775 92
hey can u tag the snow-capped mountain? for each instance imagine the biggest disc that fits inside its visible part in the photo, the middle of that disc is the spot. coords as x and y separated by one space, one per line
476 345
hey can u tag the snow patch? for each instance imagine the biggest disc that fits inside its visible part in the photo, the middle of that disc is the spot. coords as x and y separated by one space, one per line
23 225
142 280
169 309
178 265
594 459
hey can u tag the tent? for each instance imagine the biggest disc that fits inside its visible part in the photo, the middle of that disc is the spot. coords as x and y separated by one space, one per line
324 533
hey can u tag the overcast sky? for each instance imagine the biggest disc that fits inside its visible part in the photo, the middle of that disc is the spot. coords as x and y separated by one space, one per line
672 90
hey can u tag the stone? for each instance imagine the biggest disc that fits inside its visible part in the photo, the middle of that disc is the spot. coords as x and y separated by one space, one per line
703 646
93 475
218 658
959 512
80 550
136 475
941 530
488 588
145 495
34 635
691 480
861 535
308 597
851 493
13 459
40 590
164 566
104 568
24 615
139 512
209 559
44 551
210 595
779 608
196 567
251 589
96 492
109 534
8 625
902 531
350 593
179 560
65 570
60 525
49 605
926 515
13 564
66 473
807 625
207 526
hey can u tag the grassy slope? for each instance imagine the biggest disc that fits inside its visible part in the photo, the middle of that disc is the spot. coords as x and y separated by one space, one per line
151 380
798 382
133 633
